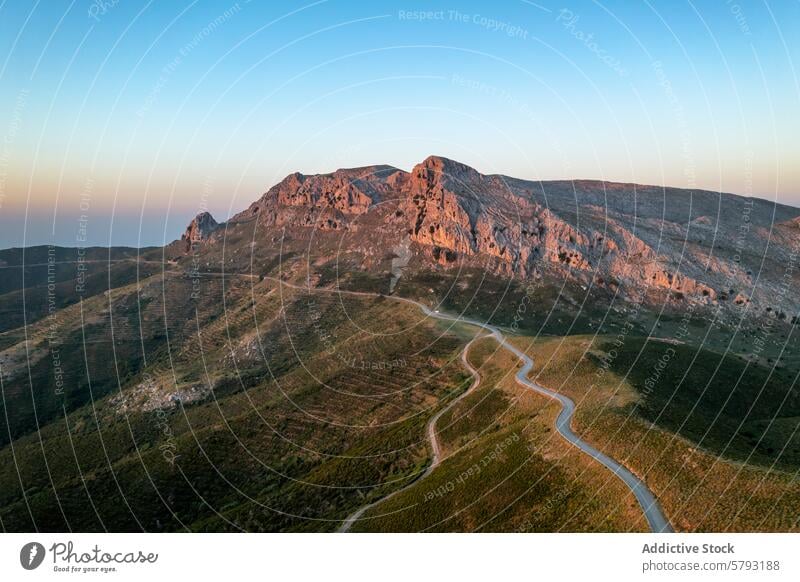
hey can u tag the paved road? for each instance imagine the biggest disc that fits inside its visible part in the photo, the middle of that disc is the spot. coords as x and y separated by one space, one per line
432 437
647 501
650 506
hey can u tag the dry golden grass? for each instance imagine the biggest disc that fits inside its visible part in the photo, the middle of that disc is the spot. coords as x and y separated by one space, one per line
537 483
698 490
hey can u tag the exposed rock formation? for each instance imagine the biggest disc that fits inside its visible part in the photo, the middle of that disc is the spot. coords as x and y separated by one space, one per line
324 201
697 245
199 229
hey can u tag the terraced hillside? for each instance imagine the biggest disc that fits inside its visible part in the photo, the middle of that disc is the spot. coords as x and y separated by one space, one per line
505 469
259 423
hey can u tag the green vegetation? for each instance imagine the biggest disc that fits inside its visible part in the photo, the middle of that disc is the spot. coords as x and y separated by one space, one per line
285 413
505 469
666 432
729 406
220 401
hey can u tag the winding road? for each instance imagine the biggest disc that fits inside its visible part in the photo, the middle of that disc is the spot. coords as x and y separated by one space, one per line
432 437
647 501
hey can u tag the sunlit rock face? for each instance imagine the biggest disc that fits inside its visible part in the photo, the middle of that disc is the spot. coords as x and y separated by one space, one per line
199 229
692 245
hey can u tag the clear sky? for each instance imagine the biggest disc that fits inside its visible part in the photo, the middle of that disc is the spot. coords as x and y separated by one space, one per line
139 114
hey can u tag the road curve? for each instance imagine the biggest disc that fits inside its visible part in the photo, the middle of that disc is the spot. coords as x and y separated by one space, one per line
432 437
647 501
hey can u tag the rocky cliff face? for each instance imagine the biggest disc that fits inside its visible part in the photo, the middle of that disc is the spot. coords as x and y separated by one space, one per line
709 247
199 229
324 201
439 207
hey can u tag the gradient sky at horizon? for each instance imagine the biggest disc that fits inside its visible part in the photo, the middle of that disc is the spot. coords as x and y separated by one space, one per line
140 114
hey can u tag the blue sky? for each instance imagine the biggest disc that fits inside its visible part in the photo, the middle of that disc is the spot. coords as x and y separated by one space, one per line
140 114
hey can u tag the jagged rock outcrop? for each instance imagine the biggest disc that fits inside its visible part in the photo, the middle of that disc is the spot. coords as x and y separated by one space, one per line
439 214
324 201
199 229
695 245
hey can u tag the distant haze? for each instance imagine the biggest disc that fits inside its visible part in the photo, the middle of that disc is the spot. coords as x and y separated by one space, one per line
122 121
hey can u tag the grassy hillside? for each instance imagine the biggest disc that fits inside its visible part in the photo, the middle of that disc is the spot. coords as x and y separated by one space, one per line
506 469
183 396
728 405
684 427
262 427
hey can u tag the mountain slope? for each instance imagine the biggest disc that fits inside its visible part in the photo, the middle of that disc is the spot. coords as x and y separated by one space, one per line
661 245
161 362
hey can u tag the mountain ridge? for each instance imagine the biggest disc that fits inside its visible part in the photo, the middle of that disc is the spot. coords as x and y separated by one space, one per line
594 182
711 247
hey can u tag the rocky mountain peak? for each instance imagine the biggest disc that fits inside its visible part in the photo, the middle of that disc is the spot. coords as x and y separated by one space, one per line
447 168
618 236
199 229
436 173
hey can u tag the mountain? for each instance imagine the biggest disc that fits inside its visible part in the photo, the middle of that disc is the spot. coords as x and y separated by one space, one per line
661 245
199 229
188 387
